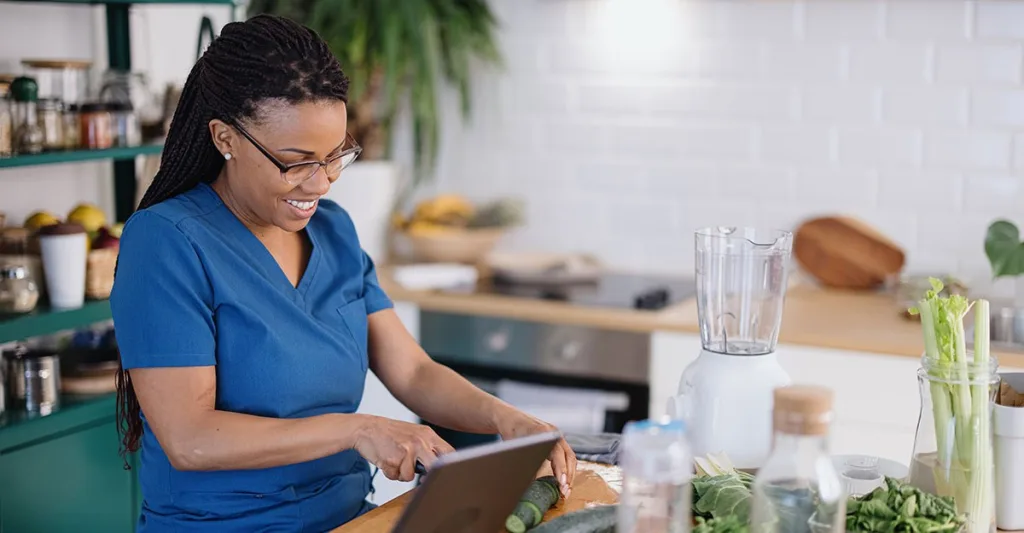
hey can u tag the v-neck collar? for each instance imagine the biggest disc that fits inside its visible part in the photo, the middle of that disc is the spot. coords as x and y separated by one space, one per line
262 256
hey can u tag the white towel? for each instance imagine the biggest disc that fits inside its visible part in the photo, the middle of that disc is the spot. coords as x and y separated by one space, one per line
570 410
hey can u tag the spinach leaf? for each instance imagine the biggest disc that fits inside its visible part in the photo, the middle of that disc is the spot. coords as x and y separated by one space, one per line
720 496
902 508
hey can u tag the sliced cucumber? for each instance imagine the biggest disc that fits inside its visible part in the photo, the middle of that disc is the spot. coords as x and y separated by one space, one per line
539 497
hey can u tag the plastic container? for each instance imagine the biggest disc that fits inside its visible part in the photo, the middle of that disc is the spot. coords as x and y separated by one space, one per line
657 466
97 130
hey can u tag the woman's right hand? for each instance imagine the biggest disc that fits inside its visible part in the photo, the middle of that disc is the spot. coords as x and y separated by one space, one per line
395 446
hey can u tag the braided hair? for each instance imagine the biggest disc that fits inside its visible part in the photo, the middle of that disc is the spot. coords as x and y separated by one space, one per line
264 59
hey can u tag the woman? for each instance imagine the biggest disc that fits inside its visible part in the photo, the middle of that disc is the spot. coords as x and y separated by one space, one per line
247 314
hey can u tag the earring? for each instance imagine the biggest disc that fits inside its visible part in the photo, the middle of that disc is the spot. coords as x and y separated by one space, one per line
227 156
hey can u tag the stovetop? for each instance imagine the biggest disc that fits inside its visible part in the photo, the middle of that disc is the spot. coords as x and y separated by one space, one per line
611 290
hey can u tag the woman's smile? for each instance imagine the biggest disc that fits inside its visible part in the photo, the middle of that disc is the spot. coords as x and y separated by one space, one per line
302 208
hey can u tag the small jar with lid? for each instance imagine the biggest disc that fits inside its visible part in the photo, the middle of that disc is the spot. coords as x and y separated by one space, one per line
72 127
124 124
28 135
97 129
18 291
51 119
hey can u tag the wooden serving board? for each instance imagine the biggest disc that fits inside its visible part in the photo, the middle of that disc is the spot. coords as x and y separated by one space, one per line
588 489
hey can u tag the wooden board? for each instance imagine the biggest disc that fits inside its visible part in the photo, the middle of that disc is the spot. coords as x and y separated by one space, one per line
588 489
845 253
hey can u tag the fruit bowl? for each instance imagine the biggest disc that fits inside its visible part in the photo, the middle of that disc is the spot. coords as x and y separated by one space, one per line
454 245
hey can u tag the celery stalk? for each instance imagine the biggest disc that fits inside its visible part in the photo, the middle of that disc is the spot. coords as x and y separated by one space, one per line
961 408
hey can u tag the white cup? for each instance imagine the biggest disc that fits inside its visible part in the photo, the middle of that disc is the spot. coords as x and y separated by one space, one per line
64 248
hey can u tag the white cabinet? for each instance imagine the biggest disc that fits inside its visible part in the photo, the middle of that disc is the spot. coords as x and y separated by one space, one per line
876 395
378 401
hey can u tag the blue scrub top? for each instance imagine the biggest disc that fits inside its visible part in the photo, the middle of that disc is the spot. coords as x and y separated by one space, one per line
195 287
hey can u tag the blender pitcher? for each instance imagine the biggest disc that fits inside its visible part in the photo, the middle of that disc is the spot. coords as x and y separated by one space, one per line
725 395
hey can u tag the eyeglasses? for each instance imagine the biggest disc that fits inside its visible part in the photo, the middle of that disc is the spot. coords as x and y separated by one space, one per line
296 173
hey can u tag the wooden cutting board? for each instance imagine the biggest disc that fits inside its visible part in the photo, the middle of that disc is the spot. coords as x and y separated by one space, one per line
588 489
846 253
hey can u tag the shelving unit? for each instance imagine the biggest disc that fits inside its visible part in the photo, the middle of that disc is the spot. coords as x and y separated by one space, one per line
63 469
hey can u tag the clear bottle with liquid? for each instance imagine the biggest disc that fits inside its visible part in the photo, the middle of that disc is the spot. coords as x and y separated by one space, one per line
798 489
657 467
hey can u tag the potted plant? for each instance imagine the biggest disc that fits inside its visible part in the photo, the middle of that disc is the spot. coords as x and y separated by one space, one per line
1004 249
394 51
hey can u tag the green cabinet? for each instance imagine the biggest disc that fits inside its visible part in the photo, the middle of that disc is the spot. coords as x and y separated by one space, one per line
62 473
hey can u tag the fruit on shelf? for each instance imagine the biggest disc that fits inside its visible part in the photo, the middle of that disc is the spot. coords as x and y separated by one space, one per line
105 239
40 219
89 216
116 229
451 212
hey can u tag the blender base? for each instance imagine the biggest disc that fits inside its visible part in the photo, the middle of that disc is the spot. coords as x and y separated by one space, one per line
726 402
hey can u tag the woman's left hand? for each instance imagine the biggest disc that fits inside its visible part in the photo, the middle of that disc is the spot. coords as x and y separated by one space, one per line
563 459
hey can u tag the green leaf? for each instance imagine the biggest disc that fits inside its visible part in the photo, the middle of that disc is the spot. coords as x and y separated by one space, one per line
1004 249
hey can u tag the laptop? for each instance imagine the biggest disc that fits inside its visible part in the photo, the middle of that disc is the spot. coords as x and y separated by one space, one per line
473 490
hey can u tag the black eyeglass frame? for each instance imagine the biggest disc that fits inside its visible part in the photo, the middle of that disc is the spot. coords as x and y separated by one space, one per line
286 167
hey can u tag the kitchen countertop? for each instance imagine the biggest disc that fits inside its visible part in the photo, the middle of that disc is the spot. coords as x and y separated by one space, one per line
842 320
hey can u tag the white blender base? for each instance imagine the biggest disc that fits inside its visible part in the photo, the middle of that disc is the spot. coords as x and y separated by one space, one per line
726 402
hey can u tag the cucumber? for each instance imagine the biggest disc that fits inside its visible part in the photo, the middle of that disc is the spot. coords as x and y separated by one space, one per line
600 519
538 498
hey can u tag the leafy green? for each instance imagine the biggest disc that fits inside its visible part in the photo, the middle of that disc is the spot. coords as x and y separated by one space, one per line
902 508
1004 249
726 524
721 496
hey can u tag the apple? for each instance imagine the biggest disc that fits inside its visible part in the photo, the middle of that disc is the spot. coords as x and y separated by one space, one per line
105 239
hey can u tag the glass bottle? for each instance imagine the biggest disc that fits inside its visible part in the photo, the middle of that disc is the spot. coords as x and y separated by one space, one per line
28 135
6 121
18 291
50 113
953 451
798 489
657 467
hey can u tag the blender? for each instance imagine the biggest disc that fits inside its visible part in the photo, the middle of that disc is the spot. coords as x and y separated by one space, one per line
725 395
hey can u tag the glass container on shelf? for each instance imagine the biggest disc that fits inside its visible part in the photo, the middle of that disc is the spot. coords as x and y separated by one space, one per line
18 291
64 79
798 489
124 124
72 127
6 118
28 135
51 119
97 128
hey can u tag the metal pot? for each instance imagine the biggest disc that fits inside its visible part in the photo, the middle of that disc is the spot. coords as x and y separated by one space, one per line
33 377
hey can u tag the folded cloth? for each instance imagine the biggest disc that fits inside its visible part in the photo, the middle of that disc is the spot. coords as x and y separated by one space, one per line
597 448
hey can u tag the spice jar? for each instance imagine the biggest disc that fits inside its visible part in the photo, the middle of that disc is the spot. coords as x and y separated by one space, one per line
6 119
124 124
18 291
97 130
16 250
28 135
72 127
50 113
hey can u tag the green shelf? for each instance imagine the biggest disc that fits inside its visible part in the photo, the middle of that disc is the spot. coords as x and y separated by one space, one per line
45 321
128 2
74 156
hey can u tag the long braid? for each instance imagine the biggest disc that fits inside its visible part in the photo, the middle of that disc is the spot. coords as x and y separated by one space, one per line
266 58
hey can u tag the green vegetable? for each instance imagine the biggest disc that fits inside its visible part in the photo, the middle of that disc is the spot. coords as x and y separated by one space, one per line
902 508
1004 249
960 393
538 498
601 519
726 524
723 495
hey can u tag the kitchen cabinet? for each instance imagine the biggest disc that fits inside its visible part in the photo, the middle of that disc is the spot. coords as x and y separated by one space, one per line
876 404
63 471
377 400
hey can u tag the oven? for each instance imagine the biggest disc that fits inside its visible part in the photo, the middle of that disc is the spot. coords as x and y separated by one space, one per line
582 379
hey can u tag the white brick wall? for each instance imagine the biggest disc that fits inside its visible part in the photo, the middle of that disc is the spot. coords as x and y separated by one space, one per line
647 119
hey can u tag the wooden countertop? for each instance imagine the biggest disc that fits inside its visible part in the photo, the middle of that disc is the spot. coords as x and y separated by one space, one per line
594 484
843 320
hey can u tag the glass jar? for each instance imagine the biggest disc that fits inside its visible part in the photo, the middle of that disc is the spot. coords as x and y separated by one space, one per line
64 79
798 489
50 112
18 291
72 127
97 129
657 467
16 249
6 122
124 124
28 135
953 453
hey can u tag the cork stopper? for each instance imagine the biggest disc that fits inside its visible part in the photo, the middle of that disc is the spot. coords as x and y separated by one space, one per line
802 410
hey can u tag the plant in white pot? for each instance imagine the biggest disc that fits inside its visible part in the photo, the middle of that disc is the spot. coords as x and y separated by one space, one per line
394 51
